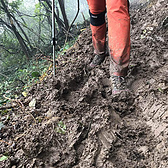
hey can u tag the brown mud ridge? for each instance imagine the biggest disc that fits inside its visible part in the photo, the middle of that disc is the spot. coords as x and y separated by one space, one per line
78 123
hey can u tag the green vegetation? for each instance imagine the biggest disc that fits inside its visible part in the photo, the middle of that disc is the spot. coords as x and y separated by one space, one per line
3 158
61 128
16 83
21 79
25 40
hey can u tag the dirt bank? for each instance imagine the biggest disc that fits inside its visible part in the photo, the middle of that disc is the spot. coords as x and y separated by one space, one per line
75 121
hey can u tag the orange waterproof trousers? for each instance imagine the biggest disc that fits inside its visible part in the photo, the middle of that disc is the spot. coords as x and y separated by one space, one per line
118 32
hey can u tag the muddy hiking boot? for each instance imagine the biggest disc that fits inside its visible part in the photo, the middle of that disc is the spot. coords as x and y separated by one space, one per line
118 84
97 60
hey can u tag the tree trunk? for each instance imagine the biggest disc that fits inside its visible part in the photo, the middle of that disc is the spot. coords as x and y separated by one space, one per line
39 25
17 34
25 35
58 20
62 6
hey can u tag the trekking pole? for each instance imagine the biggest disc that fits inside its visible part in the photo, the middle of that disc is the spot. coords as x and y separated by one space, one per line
53 33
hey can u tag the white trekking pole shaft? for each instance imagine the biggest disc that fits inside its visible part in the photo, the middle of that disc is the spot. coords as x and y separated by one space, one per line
53 33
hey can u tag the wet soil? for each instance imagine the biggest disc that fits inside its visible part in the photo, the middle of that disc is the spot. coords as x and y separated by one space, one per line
77 122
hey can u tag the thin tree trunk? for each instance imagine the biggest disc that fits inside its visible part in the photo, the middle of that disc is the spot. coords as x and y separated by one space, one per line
58 20
39 25
19 37
27 39
62 6
17 34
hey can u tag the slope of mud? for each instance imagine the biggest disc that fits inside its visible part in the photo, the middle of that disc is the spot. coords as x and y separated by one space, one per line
77 122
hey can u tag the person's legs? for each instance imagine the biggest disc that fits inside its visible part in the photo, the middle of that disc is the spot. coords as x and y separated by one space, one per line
97 11
119 42
119 36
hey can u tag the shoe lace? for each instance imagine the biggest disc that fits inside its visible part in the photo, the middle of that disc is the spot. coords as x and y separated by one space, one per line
118 82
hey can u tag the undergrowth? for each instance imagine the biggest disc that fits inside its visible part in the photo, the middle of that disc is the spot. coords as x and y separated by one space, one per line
15 84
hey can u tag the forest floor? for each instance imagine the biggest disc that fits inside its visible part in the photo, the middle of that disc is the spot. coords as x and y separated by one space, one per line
74 121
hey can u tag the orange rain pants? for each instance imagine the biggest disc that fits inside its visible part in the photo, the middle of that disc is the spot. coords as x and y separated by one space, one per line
118 32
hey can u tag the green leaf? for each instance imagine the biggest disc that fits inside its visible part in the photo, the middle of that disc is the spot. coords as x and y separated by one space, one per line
160 90
61 128
35 74
20 70
3 158
24 94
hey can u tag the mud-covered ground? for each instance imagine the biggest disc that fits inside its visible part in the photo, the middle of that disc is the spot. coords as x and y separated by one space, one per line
76 122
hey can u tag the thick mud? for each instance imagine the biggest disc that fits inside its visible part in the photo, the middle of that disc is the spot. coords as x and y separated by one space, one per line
76 122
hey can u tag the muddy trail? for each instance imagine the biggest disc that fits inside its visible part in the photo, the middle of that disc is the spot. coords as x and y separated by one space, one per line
74 121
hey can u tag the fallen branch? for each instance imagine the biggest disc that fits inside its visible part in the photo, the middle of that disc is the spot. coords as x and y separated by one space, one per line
71 26
7 107
3 75
5 142
19 103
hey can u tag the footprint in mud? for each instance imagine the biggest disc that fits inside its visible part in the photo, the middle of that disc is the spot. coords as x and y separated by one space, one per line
107 138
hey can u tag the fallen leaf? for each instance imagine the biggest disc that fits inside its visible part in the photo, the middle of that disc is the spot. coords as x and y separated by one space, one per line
24 94
3 158
32 103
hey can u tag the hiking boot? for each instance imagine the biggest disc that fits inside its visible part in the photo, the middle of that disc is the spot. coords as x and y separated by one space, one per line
118 84
97 60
